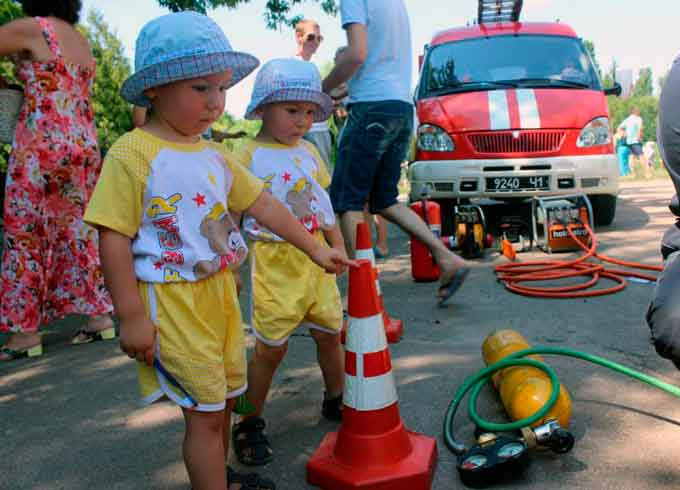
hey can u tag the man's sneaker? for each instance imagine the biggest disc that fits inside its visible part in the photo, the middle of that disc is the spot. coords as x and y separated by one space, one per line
331 408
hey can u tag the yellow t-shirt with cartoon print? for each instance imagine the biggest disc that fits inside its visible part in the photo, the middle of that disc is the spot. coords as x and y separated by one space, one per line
287 288
173 201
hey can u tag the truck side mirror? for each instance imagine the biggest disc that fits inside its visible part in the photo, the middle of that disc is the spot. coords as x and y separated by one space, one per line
614 90
420 62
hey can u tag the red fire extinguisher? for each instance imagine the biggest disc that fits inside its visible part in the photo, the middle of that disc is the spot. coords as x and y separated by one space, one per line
423 265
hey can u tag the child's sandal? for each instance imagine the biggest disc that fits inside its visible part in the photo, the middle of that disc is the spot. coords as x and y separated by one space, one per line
331 408
251 445
249 481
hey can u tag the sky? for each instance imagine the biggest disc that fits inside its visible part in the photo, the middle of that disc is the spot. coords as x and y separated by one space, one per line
629 31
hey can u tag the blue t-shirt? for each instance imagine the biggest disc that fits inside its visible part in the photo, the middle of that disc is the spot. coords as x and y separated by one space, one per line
632 125
386 73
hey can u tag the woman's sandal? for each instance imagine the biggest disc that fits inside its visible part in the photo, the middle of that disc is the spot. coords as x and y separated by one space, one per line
249 481
85 336
251 446
9 354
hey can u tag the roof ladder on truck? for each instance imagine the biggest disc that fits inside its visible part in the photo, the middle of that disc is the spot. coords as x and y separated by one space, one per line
491 11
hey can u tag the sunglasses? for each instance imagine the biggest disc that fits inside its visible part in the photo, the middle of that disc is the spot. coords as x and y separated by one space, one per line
313 37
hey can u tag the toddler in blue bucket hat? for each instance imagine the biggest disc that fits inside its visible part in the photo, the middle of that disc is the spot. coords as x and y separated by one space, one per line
287 289
168 241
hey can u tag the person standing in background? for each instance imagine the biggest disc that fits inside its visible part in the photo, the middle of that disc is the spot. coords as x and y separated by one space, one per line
376 137
633 126
50 261
308 38
622 152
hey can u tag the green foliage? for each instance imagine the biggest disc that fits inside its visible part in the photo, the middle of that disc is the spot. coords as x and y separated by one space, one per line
619 109
644 85
9 10
277 12
228 124
112 113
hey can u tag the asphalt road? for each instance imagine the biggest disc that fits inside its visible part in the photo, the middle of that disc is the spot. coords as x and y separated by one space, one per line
70 419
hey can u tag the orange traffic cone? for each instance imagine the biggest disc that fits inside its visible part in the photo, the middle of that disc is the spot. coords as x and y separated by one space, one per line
394 328
372 450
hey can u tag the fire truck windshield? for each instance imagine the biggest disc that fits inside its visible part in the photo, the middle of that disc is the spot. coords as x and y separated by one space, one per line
496 62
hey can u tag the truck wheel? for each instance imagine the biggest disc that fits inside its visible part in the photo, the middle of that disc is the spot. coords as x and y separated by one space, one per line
604 209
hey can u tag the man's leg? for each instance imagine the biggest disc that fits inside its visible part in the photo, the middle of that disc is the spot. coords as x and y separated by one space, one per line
448 262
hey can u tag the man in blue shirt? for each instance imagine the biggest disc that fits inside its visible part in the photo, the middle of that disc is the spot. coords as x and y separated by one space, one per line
375 139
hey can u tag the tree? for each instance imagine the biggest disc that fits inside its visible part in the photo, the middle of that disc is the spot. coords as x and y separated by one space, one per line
277 12
644 85
112 113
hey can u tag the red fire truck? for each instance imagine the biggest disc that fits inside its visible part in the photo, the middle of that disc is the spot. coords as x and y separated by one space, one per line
509 110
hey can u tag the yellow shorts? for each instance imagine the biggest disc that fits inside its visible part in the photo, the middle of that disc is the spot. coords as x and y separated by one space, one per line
289 290
199 342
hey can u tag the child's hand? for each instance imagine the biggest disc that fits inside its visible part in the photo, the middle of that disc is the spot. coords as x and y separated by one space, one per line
137 336
333 260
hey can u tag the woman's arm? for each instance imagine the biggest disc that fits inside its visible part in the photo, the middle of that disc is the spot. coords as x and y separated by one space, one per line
137 332
18 36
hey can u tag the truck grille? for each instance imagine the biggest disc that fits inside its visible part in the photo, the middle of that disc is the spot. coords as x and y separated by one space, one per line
525 142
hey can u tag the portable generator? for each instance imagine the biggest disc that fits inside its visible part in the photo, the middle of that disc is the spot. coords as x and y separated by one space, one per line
551 216
469 226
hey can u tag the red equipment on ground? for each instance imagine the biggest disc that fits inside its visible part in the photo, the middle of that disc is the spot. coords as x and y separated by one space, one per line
372 450
423 266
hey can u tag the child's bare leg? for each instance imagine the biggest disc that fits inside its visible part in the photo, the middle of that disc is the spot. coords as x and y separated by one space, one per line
261 369
331 359
204 450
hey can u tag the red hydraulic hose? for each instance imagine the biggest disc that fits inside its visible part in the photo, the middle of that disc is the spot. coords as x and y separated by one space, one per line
514 274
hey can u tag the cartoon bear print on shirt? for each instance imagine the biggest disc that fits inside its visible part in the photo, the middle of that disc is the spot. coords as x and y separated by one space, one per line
303 205
225 241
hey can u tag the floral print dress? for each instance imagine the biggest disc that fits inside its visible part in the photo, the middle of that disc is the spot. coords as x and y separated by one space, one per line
50 261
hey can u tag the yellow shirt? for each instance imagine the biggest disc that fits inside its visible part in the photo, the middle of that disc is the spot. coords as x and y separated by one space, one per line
173 201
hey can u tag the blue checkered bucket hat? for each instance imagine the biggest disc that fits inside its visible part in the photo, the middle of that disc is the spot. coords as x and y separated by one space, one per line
289 79
180 46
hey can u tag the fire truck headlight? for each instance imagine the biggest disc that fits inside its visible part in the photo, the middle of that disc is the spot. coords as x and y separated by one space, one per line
595 133
433 138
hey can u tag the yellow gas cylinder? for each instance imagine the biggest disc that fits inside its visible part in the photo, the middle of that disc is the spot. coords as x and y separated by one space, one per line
523 389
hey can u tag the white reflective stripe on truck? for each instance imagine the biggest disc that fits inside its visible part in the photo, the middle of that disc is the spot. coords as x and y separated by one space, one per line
499 115
529 117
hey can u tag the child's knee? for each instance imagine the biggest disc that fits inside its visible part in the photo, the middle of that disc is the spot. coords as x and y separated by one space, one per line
271 353
207 423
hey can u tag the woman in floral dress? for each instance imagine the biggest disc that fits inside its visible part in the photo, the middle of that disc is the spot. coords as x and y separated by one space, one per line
50 262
